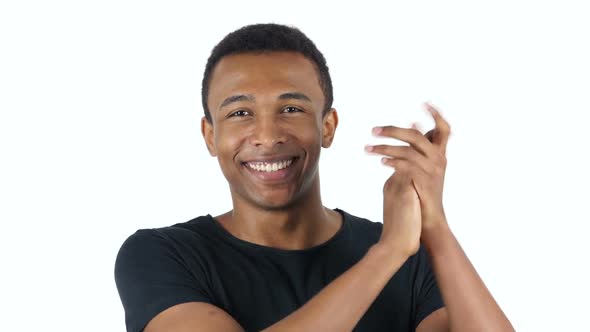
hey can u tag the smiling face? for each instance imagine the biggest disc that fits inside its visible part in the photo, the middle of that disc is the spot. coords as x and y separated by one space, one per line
267 126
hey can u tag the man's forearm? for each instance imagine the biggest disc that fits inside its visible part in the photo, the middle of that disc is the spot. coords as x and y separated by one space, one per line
347 297
469 304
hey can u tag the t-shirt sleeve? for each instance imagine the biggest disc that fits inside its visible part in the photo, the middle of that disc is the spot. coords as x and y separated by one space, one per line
151 276
426 292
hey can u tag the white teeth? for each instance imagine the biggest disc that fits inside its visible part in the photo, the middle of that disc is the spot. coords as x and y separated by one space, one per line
270 167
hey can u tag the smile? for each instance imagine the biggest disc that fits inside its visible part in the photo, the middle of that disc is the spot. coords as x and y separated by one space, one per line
274 166
272 171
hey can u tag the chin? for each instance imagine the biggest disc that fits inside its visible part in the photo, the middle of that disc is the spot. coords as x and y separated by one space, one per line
278 198
274 202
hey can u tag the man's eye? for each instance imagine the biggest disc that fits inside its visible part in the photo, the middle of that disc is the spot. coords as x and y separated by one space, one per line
292 109
239 113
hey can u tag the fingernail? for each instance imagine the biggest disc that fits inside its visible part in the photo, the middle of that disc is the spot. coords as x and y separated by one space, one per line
368 148
377 130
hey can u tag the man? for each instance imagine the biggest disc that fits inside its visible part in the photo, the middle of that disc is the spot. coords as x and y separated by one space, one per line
280 260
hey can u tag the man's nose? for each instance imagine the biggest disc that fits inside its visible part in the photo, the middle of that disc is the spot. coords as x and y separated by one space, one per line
267 132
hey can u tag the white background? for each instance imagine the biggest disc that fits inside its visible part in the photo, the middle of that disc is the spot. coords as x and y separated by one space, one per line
99 136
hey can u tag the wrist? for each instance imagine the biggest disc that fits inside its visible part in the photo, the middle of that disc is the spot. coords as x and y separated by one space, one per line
434 234
388 253
434 223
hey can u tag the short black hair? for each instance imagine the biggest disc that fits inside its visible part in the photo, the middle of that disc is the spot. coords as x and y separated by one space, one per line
268 37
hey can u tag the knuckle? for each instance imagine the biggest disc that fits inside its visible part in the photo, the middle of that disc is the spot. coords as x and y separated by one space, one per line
376 148
446 129
399 164
386 129
431 169
415 132
440 158
439 171
440 168
385 149
388 149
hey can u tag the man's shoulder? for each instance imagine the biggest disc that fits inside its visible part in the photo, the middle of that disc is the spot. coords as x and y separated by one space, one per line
197 225
361 222
172 234
200 224
363 231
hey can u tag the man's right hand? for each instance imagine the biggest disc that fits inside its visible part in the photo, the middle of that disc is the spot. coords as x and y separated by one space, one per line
402 219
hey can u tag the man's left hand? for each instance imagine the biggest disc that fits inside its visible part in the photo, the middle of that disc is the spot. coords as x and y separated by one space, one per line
425 158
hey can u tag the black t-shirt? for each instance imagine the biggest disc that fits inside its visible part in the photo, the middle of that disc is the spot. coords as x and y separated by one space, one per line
199 260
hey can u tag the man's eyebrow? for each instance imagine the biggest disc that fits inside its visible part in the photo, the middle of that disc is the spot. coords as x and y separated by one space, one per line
235 99
284 96
294 95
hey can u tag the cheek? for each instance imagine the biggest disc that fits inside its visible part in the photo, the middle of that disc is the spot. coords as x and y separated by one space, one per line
311 137
227 143
308 130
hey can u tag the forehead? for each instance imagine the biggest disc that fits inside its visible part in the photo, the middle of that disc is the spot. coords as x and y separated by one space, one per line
266 74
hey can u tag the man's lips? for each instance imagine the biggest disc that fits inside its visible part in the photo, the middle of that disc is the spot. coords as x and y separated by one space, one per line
271 169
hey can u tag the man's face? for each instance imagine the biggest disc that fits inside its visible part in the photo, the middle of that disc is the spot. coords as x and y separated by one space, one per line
267 141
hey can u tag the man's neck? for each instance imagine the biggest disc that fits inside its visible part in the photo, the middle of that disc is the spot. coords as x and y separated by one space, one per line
303 225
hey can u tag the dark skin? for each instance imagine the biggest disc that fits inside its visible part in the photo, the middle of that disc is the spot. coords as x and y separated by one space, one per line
286 215
289 213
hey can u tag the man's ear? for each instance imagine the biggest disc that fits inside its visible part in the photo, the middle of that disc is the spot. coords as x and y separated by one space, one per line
208 135
330 122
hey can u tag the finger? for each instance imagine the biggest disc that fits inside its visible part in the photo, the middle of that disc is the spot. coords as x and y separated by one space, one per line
403 152
406 166
417 126
430 135
442 129
408 135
